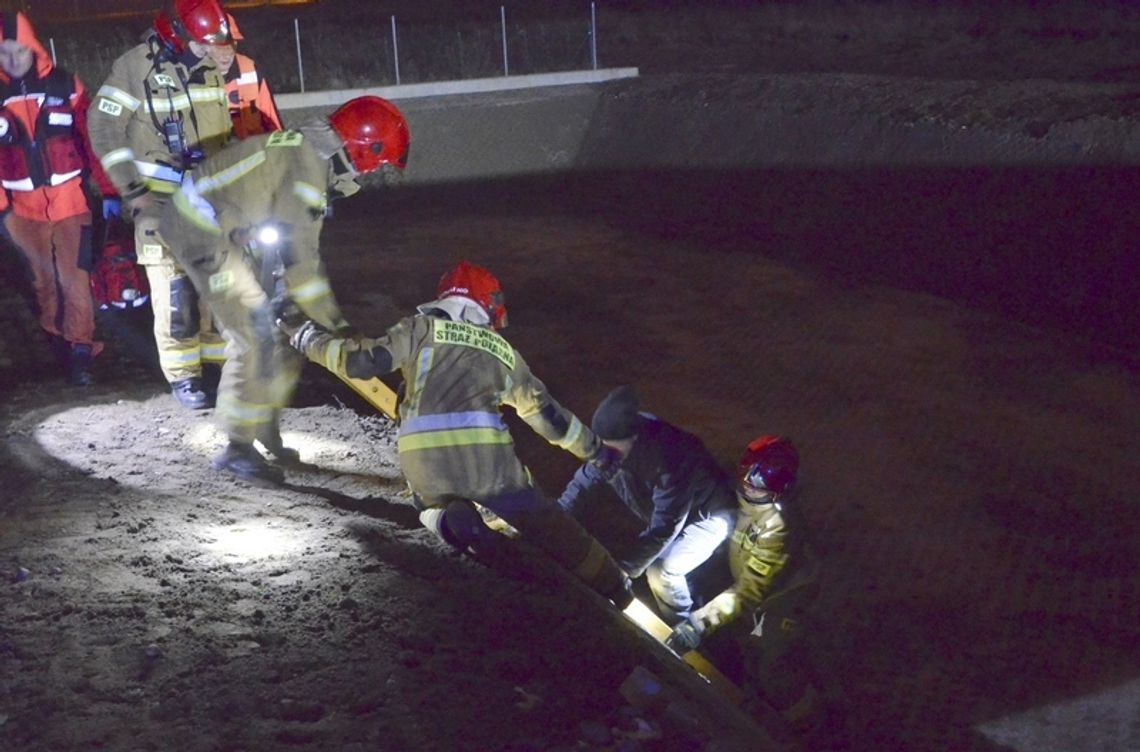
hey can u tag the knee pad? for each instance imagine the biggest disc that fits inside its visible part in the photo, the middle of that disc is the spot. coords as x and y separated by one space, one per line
185 320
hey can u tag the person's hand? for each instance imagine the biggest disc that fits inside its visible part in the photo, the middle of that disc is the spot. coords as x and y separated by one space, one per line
606 460
685 636
304 335
112 207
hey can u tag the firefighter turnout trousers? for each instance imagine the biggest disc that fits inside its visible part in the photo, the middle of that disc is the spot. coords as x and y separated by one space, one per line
261 370
184 330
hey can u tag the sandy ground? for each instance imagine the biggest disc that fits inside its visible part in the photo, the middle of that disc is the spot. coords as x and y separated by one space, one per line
969 475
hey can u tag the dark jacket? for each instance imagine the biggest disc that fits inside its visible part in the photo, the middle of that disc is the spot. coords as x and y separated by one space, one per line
668 479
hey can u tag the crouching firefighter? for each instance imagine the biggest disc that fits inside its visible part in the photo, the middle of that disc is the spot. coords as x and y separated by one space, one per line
162 110
280 182
767 607
454 445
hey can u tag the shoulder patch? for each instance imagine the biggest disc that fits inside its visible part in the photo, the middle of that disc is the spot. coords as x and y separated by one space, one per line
285 138
113 109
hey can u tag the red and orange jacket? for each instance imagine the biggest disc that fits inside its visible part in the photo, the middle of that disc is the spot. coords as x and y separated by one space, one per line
252 108
44 151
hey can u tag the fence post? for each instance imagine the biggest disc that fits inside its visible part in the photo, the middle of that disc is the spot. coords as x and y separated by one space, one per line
503 16
395 51
300 62
594 35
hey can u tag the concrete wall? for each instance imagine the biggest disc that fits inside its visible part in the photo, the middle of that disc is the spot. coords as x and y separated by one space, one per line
612 119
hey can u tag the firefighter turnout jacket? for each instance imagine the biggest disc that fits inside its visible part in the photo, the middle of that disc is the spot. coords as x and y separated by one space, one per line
276 179
767 555
453 441
155 116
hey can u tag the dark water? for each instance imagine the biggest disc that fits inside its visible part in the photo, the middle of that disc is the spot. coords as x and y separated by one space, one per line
1052 248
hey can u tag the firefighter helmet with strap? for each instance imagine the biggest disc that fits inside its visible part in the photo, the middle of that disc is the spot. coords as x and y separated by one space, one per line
768 468
185 21
374 133
478 284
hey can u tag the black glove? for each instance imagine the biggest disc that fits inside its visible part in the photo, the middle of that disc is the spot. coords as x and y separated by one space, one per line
684 637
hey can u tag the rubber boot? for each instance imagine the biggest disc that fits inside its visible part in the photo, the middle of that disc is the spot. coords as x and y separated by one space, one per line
79 366
247 464
188 392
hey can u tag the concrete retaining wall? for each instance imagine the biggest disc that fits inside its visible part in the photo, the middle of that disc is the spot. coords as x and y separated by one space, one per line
524 125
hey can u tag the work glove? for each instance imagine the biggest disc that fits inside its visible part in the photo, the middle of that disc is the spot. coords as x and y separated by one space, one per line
112 207
685 636
606 460
304 335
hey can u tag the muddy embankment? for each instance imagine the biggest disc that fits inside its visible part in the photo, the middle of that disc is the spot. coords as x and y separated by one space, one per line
1014 197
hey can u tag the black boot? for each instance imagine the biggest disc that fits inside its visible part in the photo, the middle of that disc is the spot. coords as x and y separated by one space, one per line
282 454
211 376
189 394
247 463
79 366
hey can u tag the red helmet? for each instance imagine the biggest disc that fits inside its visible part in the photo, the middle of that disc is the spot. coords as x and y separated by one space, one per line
184 21
374 133
768 468
480 285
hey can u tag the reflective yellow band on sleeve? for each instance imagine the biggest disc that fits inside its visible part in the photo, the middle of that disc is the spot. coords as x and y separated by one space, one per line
117 157
572 434
311 290
310 195
231 174
332 356
118 96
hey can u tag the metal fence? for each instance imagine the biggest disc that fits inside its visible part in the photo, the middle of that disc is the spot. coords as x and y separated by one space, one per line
315 51
93 10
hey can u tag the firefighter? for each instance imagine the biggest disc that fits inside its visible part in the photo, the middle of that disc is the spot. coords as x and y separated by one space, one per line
44 162
453 443
252 108
774 582
666 477
159 113
246 227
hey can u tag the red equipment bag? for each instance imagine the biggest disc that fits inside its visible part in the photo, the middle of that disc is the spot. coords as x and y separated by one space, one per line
116 279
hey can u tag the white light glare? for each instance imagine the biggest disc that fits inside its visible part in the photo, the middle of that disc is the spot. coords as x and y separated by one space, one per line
268 235
252 540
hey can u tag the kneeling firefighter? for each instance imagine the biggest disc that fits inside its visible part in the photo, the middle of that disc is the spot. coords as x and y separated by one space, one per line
246 228
454 446
775 583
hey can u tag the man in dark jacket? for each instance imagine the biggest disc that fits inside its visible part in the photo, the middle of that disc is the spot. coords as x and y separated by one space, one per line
668 479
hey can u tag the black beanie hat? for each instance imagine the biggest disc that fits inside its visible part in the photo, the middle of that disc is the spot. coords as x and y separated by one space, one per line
616 417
